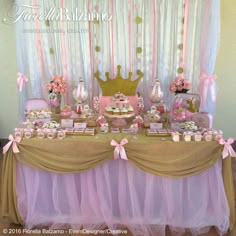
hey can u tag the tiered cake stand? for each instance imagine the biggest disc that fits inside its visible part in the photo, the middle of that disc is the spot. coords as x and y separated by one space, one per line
119 120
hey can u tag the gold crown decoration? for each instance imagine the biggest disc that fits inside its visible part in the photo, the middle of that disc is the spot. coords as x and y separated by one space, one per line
119 84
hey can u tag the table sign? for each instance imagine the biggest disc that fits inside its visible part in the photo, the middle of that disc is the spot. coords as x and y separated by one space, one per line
156 126
79 130
67 123
80 125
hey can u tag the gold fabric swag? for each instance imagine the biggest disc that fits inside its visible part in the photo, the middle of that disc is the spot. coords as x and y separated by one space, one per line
77 154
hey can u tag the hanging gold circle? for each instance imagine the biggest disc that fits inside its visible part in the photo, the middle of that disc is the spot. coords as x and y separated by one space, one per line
47 23
180 46
180 70
139 50
138 20
51 50
97 49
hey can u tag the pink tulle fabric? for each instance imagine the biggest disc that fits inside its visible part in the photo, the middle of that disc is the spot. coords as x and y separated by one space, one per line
117 194
106 101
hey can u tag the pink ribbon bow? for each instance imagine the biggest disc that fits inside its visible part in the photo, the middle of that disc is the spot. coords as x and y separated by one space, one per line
206 84
21 79
228 149
119 151
12 142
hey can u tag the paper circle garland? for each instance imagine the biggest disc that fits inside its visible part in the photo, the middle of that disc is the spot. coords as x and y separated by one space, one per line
138 20
97 49
51 50
139 50
180 70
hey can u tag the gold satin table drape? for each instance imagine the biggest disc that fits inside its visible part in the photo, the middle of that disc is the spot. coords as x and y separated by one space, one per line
75 154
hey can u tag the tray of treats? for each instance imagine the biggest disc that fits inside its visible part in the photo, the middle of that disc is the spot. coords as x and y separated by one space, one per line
158 132
38 115
119 107
81 132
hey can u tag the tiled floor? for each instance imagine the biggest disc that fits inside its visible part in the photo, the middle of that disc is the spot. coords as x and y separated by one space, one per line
5 227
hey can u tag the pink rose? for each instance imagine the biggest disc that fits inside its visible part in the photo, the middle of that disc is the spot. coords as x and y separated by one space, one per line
172 88
178 83
49 87
179 87
63 90
187 85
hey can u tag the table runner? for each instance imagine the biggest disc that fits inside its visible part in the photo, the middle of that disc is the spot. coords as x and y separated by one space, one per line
76 154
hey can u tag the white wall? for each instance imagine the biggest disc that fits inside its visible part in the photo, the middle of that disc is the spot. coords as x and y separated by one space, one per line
8 72
225 117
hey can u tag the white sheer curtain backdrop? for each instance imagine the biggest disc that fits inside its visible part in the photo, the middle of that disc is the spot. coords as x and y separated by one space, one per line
85 47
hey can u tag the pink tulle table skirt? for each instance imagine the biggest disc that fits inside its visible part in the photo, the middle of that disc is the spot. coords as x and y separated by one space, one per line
118 194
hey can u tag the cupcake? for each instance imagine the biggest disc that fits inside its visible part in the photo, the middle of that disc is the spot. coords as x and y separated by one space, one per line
130 109
116 111
124 111
109 110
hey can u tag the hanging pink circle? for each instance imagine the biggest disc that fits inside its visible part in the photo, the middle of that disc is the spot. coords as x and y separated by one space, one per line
138 35
89 6
137 5
139 59
96 7
98 61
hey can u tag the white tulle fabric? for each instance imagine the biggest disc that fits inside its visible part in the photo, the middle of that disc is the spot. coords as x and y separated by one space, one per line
117 195
161 31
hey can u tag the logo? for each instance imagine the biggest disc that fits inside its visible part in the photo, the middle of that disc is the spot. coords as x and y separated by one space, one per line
29 13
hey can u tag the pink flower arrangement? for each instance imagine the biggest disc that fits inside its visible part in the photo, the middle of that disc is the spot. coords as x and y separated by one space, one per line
180 85
57 85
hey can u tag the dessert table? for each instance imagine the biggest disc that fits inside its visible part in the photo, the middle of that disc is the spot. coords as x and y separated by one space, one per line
77 182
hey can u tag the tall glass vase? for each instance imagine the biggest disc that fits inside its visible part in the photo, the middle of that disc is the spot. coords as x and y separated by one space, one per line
56 104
